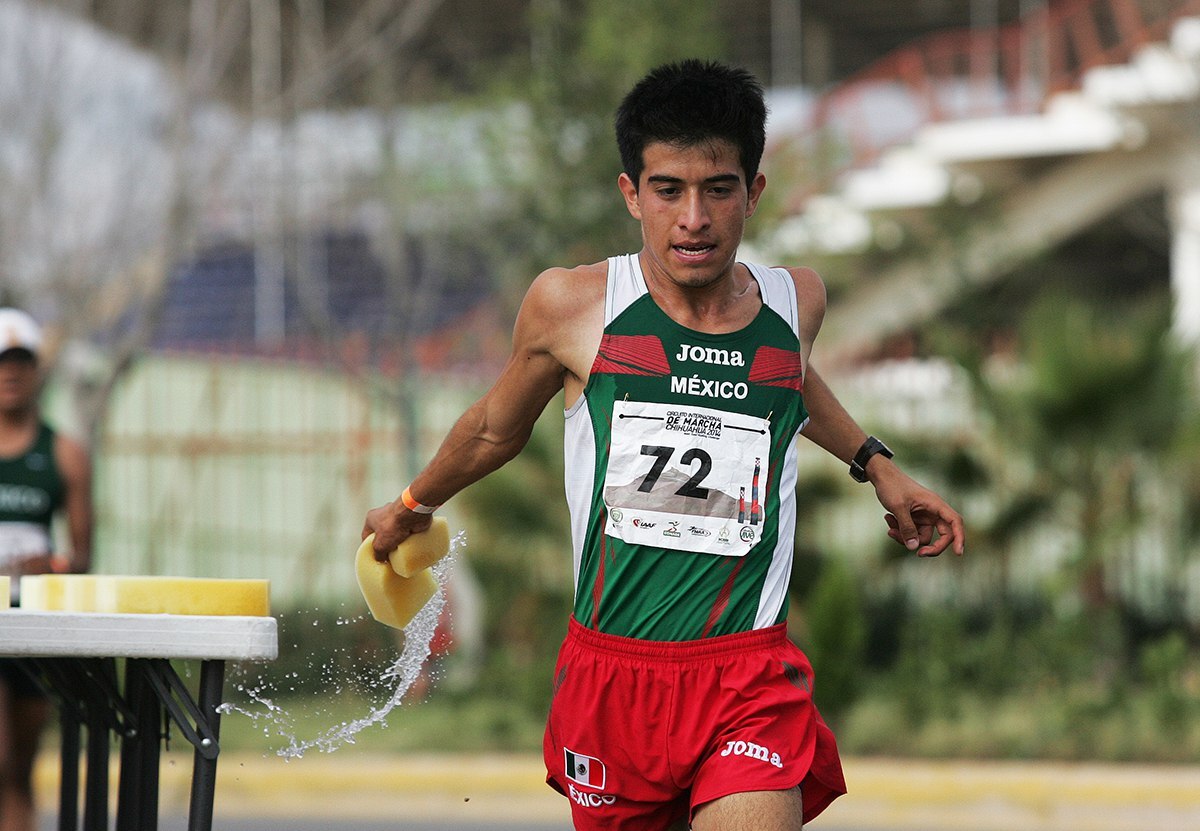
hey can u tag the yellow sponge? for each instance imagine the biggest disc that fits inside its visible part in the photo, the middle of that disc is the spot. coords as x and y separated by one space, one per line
420 551
120 594
58 592
396 590
182 596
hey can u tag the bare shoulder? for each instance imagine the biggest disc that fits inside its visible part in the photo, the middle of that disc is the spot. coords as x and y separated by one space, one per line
810 303
568 291
810 288
565 298
72 457
563 315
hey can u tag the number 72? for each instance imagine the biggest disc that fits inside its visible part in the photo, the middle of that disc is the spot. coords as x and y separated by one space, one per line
663 454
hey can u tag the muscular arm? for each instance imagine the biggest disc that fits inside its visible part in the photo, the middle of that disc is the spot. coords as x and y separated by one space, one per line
76 468
917 517
548 351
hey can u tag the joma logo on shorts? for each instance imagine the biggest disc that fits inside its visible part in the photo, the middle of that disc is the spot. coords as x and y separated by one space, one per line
753 751
591 800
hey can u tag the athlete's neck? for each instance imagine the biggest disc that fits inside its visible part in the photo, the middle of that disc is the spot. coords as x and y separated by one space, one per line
18 429
724 304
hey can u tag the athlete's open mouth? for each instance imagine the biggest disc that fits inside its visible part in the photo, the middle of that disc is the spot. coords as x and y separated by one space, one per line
693 249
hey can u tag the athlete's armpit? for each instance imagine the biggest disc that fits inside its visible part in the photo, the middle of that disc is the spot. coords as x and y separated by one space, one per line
562 317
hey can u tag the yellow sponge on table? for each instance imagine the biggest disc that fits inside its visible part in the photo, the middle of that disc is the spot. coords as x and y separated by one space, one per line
44 592
182 596
58 592
396 590
121 594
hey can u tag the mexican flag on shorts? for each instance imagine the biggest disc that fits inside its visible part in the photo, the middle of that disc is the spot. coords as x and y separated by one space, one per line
586 770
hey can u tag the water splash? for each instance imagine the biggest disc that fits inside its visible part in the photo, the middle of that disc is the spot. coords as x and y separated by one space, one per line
400 677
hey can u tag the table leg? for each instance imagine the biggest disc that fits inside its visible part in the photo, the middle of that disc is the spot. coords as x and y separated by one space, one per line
95 789
68 790
137 797
204 769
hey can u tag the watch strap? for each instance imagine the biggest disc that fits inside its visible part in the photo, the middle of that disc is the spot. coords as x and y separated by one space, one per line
858 465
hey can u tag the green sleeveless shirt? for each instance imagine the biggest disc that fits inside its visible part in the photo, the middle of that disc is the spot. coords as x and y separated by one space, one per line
681 467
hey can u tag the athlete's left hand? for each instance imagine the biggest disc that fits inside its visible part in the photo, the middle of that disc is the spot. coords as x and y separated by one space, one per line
918 518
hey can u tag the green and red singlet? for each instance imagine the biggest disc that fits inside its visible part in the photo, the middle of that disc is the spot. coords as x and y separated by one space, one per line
681 467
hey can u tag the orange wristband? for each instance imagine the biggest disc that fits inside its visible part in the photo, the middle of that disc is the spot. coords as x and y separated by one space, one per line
415 506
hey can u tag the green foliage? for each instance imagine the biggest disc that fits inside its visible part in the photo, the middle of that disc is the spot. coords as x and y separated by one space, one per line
1029 685
556 158
1164 665
836 640
1095 372
1085 410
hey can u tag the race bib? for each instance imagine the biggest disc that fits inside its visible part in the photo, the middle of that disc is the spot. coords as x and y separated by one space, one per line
688 478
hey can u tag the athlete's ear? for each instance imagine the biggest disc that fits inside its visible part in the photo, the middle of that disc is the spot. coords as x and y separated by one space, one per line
756 189
630 191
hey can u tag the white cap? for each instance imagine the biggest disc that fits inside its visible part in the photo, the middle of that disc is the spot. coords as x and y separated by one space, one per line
19 331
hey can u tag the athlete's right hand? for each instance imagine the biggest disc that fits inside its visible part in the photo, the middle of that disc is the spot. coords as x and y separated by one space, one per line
392 524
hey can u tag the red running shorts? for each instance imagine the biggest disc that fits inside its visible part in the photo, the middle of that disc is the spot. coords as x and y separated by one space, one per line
641 733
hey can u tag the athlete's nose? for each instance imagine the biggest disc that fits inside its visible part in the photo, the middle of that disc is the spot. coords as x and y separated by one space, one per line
693 214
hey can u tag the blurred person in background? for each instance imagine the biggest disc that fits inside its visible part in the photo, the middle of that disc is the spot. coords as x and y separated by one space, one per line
678 698
41 473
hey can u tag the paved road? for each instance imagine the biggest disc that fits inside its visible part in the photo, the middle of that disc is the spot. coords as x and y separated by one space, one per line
219 824
180 824
505 793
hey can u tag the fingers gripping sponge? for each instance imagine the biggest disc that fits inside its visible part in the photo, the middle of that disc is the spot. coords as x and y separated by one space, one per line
396 590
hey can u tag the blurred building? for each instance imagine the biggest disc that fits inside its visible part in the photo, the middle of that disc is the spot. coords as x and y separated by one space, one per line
1076 112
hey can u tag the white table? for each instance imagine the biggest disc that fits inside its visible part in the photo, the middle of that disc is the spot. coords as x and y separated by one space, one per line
73 657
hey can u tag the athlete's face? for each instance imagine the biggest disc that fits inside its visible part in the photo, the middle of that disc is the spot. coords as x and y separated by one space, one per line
693 203
18 379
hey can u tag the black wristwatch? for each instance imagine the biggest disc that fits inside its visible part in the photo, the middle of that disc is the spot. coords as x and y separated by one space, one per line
858 466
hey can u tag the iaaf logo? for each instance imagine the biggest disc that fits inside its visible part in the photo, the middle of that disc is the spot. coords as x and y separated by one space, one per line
641 523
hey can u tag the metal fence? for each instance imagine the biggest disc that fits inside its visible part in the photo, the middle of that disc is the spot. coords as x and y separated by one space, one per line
240 467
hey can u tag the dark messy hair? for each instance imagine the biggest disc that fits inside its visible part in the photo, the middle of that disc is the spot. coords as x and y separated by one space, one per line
689 103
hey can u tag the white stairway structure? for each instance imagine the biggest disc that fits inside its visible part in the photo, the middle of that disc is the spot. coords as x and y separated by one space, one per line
1058 121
